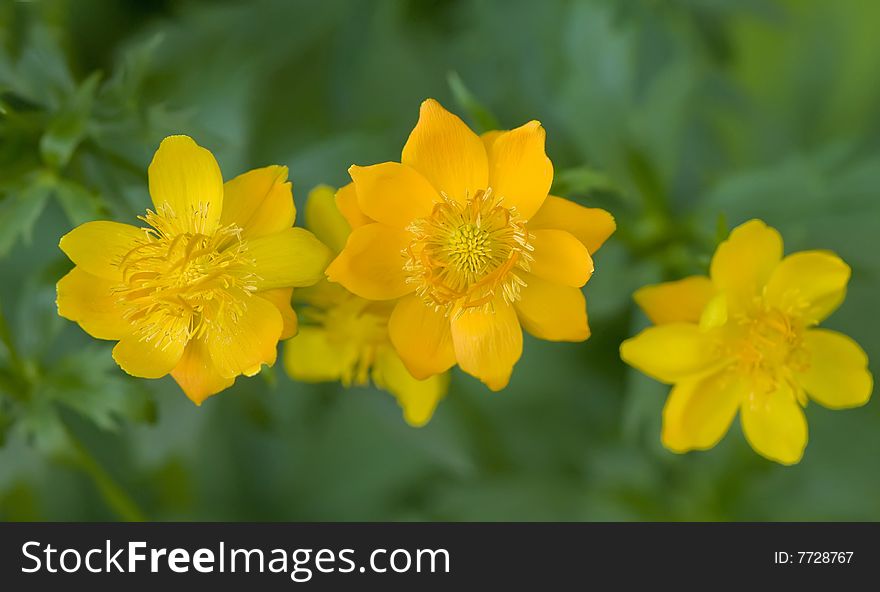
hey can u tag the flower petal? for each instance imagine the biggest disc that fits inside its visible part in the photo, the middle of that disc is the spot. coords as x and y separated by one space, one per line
670 353
324 218
447 153
774 424
99 247
259 201
291 258
89 300
681 301
393 193
281 299
186 178
519 170
838 375
143 359
699 411
489 138
417 398
560 257
810 284
421 337
311 357
591 226
347 202
488 344
197 374
551 311
241 347
371 264
744 262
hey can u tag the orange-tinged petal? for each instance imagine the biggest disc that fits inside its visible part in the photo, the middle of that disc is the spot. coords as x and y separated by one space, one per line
393 193
809 285
743 263
241 347
281 299
99 247
774 424
421 337
699 411
552 311
186 178
560 257
143 359
591 226
291 258
519 170
311 357
417 398
371 264
672 352
837 374
90 301
681 301
197 374
324 218
347 202
488 343
447 153
260 202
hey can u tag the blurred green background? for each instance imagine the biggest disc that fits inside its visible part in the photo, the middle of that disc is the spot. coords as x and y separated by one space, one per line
682 117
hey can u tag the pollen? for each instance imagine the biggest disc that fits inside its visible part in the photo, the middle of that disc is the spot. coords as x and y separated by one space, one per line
466 254
182 280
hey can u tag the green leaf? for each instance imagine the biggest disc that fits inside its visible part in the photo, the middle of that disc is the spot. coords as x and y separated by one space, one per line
19 212
68 128
482 119
79 203
581 181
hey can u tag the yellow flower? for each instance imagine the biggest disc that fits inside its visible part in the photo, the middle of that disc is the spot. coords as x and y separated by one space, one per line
463 232
344 337
745 339
202 291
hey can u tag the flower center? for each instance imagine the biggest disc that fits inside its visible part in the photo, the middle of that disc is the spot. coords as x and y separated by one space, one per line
464 254
177 283
769 346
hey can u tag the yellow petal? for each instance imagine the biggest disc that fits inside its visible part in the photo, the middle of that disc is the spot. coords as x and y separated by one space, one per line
241 347
682 301
488 344
393 193
421 337
347 202
291 258
519 170
810 285
99 247
775 426
837 375
489 138
417 398
311 357
670 353
186 178
260 202
371 264
560 257
591 226
744 262
447 153
89 300
281 299
699 411
143 359
324 218
197 374
552 311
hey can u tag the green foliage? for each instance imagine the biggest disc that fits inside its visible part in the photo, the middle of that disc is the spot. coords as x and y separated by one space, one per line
683 118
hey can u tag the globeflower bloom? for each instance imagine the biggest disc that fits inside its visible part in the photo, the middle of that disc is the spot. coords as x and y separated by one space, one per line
462 231
202 290
343 337
745 339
